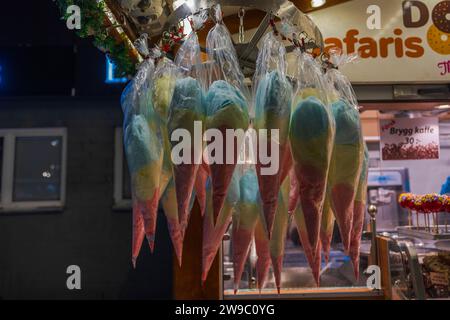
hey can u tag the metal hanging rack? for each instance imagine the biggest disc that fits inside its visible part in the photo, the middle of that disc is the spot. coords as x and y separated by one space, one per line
169 19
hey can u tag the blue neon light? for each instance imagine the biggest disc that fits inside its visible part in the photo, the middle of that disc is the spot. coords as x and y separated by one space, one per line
110 73
1 76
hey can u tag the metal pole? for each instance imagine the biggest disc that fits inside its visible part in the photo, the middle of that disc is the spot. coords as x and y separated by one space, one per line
372 210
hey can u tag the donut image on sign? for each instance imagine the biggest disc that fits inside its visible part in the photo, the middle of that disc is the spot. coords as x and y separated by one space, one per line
441 16
439 41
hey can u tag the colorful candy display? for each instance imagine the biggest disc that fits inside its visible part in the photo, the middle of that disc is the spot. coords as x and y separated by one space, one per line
429 206
312 121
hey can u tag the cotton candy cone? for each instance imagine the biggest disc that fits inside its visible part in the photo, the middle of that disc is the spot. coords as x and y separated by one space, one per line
226 109
187 111
214 229
273 110
169 205
245 217
263 255
278 240
311 136
144 153
345 167
359 209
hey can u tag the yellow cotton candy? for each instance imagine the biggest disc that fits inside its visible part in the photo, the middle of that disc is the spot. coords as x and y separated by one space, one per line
163 91
146 180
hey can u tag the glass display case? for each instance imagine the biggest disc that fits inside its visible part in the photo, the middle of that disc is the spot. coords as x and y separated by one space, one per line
419 267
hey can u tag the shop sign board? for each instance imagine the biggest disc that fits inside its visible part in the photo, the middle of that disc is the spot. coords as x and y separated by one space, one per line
409 139
398 41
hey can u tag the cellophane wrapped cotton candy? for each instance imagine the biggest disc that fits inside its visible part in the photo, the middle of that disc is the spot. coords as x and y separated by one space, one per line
187 109
143 149
273 99
165 76
311 136
245 216
215 227
348 154
227 106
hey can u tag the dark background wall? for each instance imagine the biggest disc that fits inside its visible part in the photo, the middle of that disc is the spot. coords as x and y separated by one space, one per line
41 63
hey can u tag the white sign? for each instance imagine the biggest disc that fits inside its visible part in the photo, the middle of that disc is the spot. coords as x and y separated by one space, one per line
409 139
398 41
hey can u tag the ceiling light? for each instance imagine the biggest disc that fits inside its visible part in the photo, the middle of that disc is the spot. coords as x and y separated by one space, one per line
443 107
317 3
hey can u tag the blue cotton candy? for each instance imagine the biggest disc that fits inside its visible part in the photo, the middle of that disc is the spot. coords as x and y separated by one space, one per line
222 94
348 126
316 120
188 95
274 95
249 187
140 145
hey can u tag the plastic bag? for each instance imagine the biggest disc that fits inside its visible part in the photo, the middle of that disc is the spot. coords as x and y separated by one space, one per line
223 56
143 149
273 99
188 57
187 112
227 108
311 134
245 217
187 108
338 81
348 155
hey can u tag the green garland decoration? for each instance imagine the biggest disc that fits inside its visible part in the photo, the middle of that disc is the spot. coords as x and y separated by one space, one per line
92 25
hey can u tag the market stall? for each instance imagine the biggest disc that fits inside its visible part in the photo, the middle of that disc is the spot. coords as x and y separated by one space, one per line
290 223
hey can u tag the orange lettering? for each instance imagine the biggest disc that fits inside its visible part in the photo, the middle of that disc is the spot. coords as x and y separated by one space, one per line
414 46
398 43
384 46
350 40
368 48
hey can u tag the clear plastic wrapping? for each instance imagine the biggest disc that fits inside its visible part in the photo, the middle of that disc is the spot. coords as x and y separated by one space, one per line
337 80
186 113
188 57
348 153
226 109
273 99
245 217
223 56
143 149
312 131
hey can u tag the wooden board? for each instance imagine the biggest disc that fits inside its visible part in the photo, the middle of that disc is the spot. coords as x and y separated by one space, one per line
187 279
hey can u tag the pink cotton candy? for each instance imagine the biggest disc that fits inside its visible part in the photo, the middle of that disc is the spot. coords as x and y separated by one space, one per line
343 196
311 188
